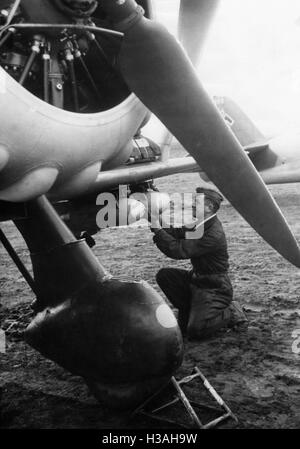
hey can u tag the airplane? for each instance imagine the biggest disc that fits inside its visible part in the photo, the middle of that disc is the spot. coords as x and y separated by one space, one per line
78 80
275 158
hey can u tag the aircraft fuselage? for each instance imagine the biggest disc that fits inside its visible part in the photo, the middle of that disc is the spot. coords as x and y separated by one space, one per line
64 152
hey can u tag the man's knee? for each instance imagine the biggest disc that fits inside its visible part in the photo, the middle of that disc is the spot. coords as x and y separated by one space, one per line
162 275
167 277
200 327
209 313
175 285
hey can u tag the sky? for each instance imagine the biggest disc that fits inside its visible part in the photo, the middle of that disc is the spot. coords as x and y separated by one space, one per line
252 54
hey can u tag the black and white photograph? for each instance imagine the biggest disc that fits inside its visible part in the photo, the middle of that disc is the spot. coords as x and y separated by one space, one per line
149 217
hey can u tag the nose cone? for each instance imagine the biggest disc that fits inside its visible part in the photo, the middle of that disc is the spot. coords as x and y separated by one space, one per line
4 156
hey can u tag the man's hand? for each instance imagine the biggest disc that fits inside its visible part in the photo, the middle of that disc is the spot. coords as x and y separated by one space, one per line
155 222
155 230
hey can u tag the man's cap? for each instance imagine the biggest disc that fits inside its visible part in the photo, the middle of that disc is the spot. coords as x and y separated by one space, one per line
211 194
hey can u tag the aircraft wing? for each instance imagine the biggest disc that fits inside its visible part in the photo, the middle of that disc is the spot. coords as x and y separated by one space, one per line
131 174
256 147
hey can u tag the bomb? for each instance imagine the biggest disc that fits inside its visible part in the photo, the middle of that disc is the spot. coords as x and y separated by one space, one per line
121 337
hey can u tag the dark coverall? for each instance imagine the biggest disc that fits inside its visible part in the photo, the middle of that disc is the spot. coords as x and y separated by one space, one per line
203 294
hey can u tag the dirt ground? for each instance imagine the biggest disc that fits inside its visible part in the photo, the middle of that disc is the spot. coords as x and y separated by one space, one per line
256 371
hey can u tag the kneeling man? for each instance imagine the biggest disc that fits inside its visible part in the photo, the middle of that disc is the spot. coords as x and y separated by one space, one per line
202 295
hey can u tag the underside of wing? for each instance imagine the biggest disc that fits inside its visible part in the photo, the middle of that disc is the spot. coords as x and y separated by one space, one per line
143 172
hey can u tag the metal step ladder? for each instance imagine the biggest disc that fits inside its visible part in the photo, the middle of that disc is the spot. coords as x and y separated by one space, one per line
189 405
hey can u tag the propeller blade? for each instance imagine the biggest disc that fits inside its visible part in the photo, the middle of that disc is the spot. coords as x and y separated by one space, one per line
195 18
159 72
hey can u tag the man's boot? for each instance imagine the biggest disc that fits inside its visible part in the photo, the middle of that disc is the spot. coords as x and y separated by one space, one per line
238 317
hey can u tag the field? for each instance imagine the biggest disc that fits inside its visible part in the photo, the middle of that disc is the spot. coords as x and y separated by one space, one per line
256 371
